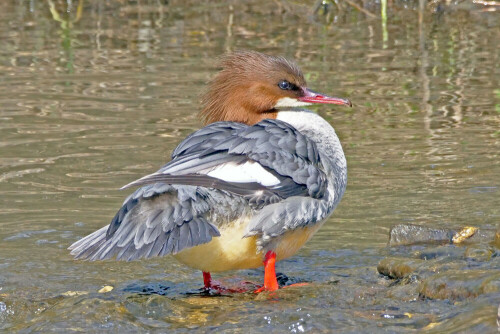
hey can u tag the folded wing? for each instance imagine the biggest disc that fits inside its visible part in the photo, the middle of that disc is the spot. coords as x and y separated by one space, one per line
225 166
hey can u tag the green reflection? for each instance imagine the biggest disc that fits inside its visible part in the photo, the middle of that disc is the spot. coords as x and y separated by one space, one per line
497 95
385 34
67 35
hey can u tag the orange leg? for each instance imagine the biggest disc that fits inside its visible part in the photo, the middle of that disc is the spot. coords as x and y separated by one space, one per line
270 281
207 280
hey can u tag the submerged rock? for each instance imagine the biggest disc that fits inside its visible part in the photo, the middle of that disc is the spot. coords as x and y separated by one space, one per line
460 284
454 269
398 268
446 252
410 234
478 253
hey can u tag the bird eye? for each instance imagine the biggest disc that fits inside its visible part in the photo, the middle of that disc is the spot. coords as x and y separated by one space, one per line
285 85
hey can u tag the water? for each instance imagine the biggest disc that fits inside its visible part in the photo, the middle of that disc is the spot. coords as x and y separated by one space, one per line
95 94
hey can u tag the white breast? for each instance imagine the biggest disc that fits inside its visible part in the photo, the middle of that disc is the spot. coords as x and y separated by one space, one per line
319 130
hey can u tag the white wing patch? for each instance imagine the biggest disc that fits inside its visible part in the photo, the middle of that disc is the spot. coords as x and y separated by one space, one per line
248 172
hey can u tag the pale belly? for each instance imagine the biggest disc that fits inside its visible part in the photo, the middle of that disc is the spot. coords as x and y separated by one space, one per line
232 251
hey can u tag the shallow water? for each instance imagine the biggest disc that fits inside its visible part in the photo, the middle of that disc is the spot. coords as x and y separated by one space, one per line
95 94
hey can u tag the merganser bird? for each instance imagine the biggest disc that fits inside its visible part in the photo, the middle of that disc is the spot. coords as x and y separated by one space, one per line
247 190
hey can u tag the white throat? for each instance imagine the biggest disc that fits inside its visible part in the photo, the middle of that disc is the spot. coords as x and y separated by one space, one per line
287 102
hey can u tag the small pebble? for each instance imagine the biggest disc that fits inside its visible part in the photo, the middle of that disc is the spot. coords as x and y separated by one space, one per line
464 234
106 288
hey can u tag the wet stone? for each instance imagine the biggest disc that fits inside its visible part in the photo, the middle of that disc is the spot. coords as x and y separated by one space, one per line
460 284
464 234
398 268
409 234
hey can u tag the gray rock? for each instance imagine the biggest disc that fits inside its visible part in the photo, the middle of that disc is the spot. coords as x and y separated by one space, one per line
409 234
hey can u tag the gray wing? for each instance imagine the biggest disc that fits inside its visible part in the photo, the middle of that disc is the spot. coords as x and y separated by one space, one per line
155 220
299 198
278 147
206 137
292 213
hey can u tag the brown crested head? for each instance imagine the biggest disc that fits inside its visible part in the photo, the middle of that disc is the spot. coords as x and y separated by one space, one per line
247 88
252 86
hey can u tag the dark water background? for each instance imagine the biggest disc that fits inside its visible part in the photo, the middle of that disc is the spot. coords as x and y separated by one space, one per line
94 94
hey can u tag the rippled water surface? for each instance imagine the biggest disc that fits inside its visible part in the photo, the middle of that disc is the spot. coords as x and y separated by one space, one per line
94 94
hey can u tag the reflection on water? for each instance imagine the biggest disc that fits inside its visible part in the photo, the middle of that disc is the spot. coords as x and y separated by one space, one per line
95 94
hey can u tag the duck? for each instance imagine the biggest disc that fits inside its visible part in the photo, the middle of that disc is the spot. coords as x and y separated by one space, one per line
247 190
